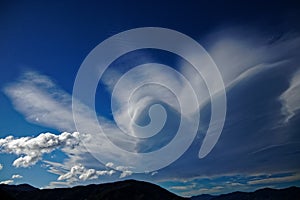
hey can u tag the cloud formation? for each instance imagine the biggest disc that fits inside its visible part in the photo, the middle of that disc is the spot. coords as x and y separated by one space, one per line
291 97
7 182
31 149
79 172
248 61
16 176
275 180
43 102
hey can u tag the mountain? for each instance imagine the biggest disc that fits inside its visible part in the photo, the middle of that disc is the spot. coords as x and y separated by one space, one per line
123 190
133 190
292 193
203 197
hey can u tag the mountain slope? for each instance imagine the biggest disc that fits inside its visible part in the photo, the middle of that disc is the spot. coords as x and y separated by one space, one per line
129 189
133 190
292 193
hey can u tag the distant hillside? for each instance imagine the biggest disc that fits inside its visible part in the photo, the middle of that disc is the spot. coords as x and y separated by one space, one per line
123 190
292 193
133 190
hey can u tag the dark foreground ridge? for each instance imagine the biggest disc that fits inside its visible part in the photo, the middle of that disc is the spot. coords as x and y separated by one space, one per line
123 190
291 193
133 190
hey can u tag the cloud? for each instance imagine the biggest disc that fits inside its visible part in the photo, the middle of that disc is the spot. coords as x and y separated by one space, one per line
31 149
79 172
153 173
109 164
243 57
291 97
35 96
7 182
15 176
126 173
1 166
44 103
188 189
276 180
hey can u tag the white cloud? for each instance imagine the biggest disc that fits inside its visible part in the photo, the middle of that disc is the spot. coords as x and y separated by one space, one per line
153 173
15 176
126 173
7 182
42 102
31 149
79 172
109 164
238 49
291 97
1 166
237 55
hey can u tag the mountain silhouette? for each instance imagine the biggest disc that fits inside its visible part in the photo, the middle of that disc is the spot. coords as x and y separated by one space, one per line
291 193
129 189
133 190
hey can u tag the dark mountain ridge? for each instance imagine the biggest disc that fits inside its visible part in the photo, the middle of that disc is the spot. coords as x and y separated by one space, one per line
133 190
129 189
291 193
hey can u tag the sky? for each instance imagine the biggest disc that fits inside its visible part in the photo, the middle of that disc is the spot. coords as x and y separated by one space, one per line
64 122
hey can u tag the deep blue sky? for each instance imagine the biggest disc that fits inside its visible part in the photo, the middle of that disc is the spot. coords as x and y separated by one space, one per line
49 41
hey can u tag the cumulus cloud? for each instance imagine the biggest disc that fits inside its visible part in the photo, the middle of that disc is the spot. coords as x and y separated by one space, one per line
79 172
7 182
109 164
16 176
1 166
43 102
31 149
126 173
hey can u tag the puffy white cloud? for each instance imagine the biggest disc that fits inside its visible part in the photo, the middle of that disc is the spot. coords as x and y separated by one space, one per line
1 166
31 149
15 176
79 172
7 182
74 171
42 102
109 164
126 173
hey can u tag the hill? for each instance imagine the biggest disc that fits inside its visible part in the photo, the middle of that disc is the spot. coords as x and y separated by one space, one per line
133 190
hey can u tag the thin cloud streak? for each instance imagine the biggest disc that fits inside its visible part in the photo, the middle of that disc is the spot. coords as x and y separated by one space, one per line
291 97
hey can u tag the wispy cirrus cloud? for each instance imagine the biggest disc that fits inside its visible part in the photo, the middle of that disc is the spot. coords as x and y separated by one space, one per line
275 180
43 102
291 97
